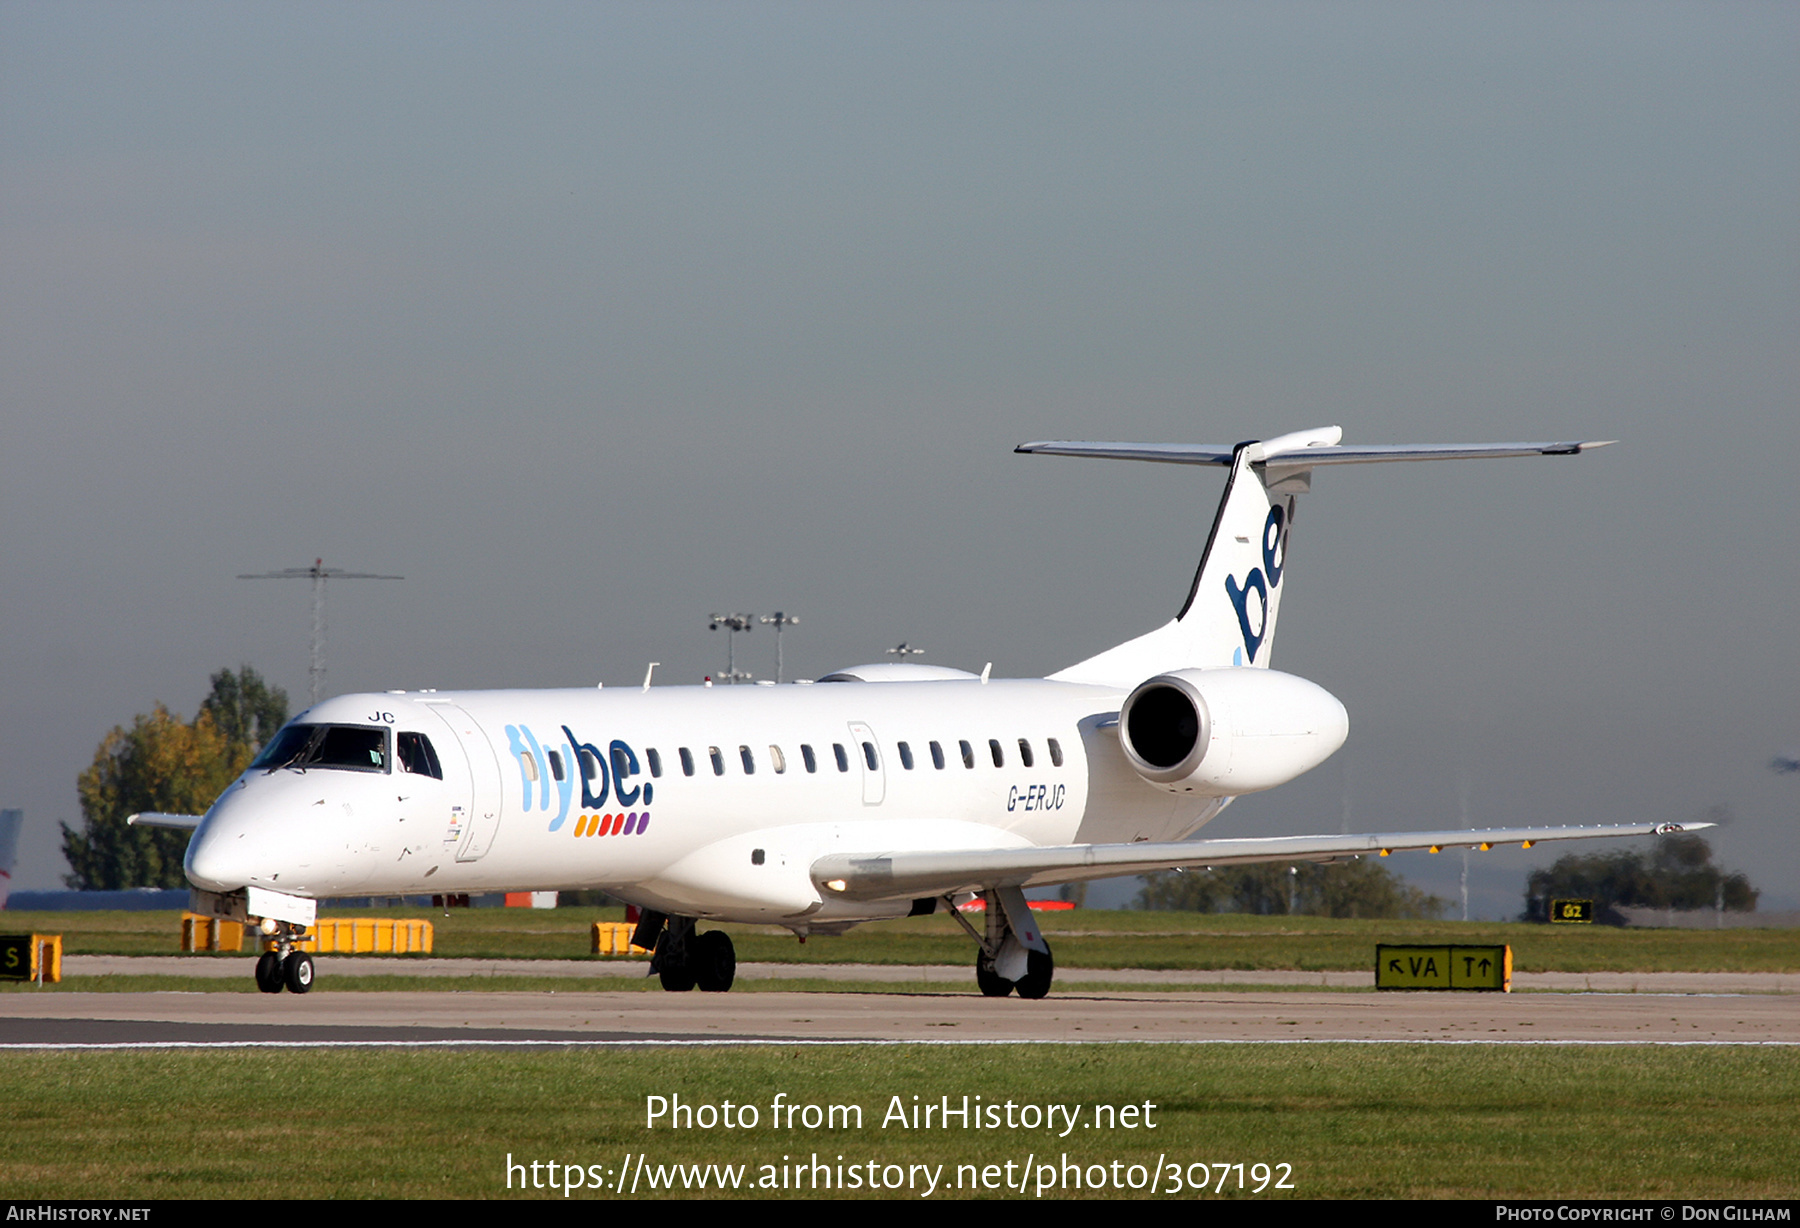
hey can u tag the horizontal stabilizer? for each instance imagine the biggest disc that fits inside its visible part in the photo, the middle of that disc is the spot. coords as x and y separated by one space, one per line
181 822
880 876
1276 455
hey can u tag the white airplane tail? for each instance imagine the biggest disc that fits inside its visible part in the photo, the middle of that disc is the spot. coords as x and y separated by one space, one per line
10 822
1231 610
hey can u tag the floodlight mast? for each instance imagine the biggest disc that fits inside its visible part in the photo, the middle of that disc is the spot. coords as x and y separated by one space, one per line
318 573
904 650
778 620
733 623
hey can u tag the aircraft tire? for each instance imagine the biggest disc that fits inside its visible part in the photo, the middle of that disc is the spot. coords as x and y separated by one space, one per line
1039 970
992 984
268 972
676 975
715 961
297 971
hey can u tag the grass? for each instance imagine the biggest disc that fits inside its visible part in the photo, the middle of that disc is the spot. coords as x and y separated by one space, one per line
1081 939
1388 1122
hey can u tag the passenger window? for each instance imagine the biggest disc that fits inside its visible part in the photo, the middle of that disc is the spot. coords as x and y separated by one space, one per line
718 760
687 761
937 756
528 761
906 760
555 764
417 756
624 764
748 760
655 758
968 754
777 760
994 749
869 757
1055 751
812 764
843 760
590 766
1025 752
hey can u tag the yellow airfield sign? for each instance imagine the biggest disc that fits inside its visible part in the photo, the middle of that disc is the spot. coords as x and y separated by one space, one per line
1449 967
1572 912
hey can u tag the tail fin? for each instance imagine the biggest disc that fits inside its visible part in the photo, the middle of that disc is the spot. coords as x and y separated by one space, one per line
1230 614
10 822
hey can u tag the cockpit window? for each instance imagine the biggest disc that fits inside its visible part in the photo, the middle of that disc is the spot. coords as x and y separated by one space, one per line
416 755
349 748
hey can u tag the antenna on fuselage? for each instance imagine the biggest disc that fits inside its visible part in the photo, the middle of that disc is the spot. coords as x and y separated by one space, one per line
318 573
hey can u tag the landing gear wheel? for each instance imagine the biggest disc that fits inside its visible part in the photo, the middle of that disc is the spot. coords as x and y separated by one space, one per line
714 961
297 971
1039 969
268 972
677 976
992 984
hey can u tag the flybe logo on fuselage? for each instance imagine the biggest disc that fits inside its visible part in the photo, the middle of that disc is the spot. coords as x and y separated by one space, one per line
1253 615
549 770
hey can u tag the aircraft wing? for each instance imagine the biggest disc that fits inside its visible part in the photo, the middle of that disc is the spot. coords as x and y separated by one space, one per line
881 876
181 822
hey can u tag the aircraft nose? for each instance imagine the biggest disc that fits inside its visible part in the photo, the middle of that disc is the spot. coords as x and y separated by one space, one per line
212 863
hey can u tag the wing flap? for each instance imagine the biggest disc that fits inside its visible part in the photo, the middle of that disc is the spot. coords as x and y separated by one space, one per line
897 875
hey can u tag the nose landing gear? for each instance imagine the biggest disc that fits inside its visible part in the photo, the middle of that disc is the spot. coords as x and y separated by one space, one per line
285 967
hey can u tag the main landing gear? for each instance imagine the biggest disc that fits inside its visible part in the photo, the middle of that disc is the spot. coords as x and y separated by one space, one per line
685 959
1014 956
285 967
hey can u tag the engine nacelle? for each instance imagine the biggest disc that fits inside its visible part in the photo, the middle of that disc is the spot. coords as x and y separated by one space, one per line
1222 732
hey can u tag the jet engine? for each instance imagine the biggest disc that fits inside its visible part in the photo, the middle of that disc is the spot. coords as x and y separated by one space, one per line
1223 732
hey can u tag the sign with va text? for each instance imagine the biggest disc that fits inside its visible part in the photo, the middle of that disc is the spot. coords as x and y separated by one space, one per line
1448 967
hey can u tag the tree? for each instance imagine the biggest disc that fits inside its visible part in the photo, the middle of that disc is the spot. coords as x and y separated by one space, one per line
246 709
1329 889
162 763
1676 872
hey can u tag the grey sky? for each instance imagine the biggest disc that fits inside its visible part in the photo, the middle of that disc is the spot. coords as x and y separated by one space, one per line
591 319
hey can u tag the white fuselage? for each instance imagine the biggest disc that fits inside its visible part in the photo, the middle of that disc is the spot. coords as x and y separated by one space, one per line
691 800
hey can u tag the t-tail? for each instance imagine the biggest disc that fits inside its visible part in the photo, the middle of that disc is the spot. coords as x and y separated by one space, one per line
1232 607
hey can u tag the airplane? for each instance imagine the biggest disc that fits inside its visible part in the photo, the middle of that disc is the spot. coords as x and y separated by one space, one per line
879 791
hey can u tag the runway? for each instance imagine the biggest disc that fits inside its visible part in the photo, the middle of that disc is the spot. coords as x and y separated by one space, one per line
586 1016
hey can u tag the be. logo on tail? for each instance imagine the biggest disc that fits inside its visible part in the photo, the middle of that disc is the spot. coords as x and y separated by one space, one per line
1254 621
